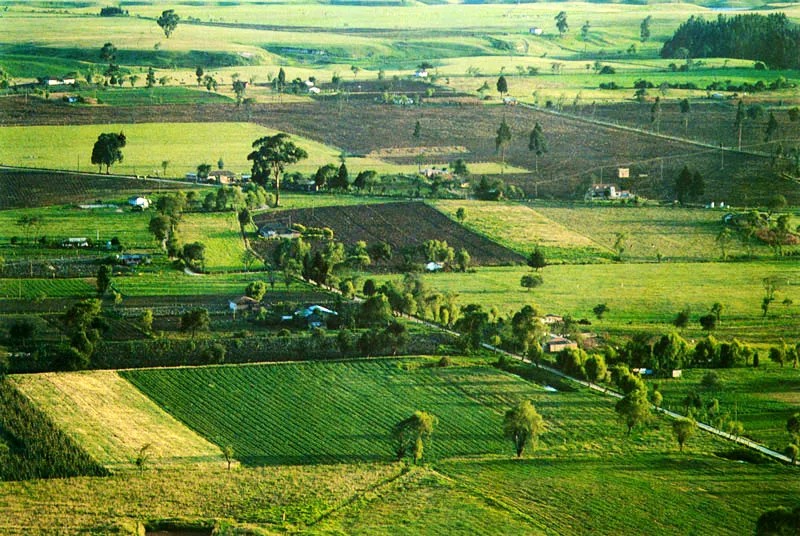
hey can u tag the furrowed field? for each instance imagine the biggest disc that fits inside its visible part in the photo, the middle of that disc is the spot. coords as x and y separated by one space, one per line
326 412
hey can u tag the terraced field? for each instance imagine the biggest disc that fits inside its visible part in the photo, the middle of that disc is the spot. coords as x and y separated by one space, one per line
401 225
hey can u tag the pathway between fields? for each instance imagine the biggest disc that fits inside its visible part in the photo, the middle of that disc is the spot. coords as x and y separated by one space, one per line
109 175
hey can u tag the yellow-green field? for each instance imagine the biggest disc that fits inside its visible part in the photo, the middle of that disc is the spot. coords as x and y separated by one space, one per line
112 420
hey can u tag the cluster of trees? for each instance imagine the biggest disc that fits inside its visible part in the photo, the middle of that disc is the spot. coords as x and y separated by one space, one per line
84 327
772 39
689 186
164 227
338 178
411 297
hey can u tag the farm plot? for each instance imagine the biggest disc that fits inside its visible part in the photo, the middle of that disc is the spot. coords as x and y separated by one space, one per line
30 289
762 399
678 234
401 225
221 234
520 228
640 297
111 420
325 412
20 188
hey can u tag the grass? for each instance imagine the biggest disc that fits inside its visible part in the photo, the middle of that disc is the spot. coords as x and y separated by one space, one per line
679 234
220 232
520 228
184 145
175 283
339 411
29 289
762 399
111 420
639 296
156 95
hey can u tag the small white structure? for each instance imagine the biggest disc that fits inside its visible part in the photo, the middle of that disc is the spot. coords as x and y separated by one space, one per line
552 319
51 81
433 266
314 90
309 83
81 242
138 201
191 177
510 101
677 373
244 303
536 31
422 73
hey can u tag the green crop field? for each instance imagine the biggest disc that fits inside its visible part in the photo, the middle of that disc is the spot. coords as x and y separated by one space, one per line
156 95
175 283
640 297
46 288
762 399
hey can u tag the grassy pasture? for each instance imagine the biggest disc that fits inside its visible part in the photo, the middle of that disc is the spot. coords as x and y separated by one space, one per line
679 234
221 234
762 399
184 145
520 228
111 420
640 296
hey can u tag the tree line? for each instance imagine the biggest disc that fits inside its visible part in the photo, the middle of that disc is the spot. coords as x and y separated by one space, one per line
772 39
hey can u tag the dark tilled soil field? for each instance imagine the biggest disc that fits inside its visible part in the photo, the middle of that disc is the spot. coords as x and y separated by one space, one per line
579 152
26 189
401 225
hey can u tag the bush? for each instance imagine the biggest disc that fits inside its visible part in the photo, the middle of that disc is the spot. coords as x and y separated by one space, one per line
213 355
284 333
683 317
445 362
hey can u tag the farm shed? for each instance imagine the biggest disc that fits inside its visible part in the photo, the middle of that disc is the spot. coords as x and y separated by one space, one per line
556 344
433 266
277 230
244 303
314 90
536 31
222 176
139 201
134 259
421 73
314 316
81 242
552 319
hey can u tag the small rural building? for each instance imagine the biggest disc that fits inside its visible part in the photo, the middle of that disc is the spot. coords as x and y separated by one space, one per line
302 185
536 31
81 242
555 344
677 373
552 319
244 303
222 176
134 259
314 316
309 83
314 90
510 101
191 177
433 267
429 173
54 81
138 201
277 230
421 73
246 177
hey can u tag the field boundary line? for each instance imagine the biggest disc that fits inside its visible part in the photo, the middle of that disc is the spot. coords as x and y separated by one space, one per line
615 126
108 175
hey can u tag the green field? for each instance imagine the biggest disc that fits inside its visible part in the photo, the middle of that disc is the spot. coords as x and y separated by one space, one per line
679 234
29 289
640 297
762 399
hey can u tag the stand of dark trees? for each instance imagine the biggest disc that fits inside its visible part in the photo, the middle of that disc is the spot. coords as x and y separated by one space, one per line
772 39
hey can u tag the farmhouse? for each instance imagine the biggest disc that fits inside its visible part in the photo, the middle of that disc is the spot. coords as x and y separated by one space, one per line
244 303
53 81
81 242
277 230
433 267
314 316
552 319
510 101
139 202
222 176
606 191
422 73
536 31
556 344
429 173
314 90
134 259
191 177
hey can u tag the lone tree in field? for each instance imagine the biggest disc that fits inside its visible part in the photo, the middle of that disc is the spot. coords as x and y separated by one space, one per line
723 239
772 127
793 427
107 150
634 409
409 434
536 259
103 279
227 452
644 29
739 121
199 72
417 130
683 430
686 109
168 21
502 85
256 290
272 154
599 310
537 143
195 320
502 139
239 89
620 244
561 23
522 425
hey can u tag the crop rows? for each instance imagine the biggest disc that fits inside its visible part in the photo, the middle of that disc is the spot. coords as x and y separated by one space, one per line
45 288
318 412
